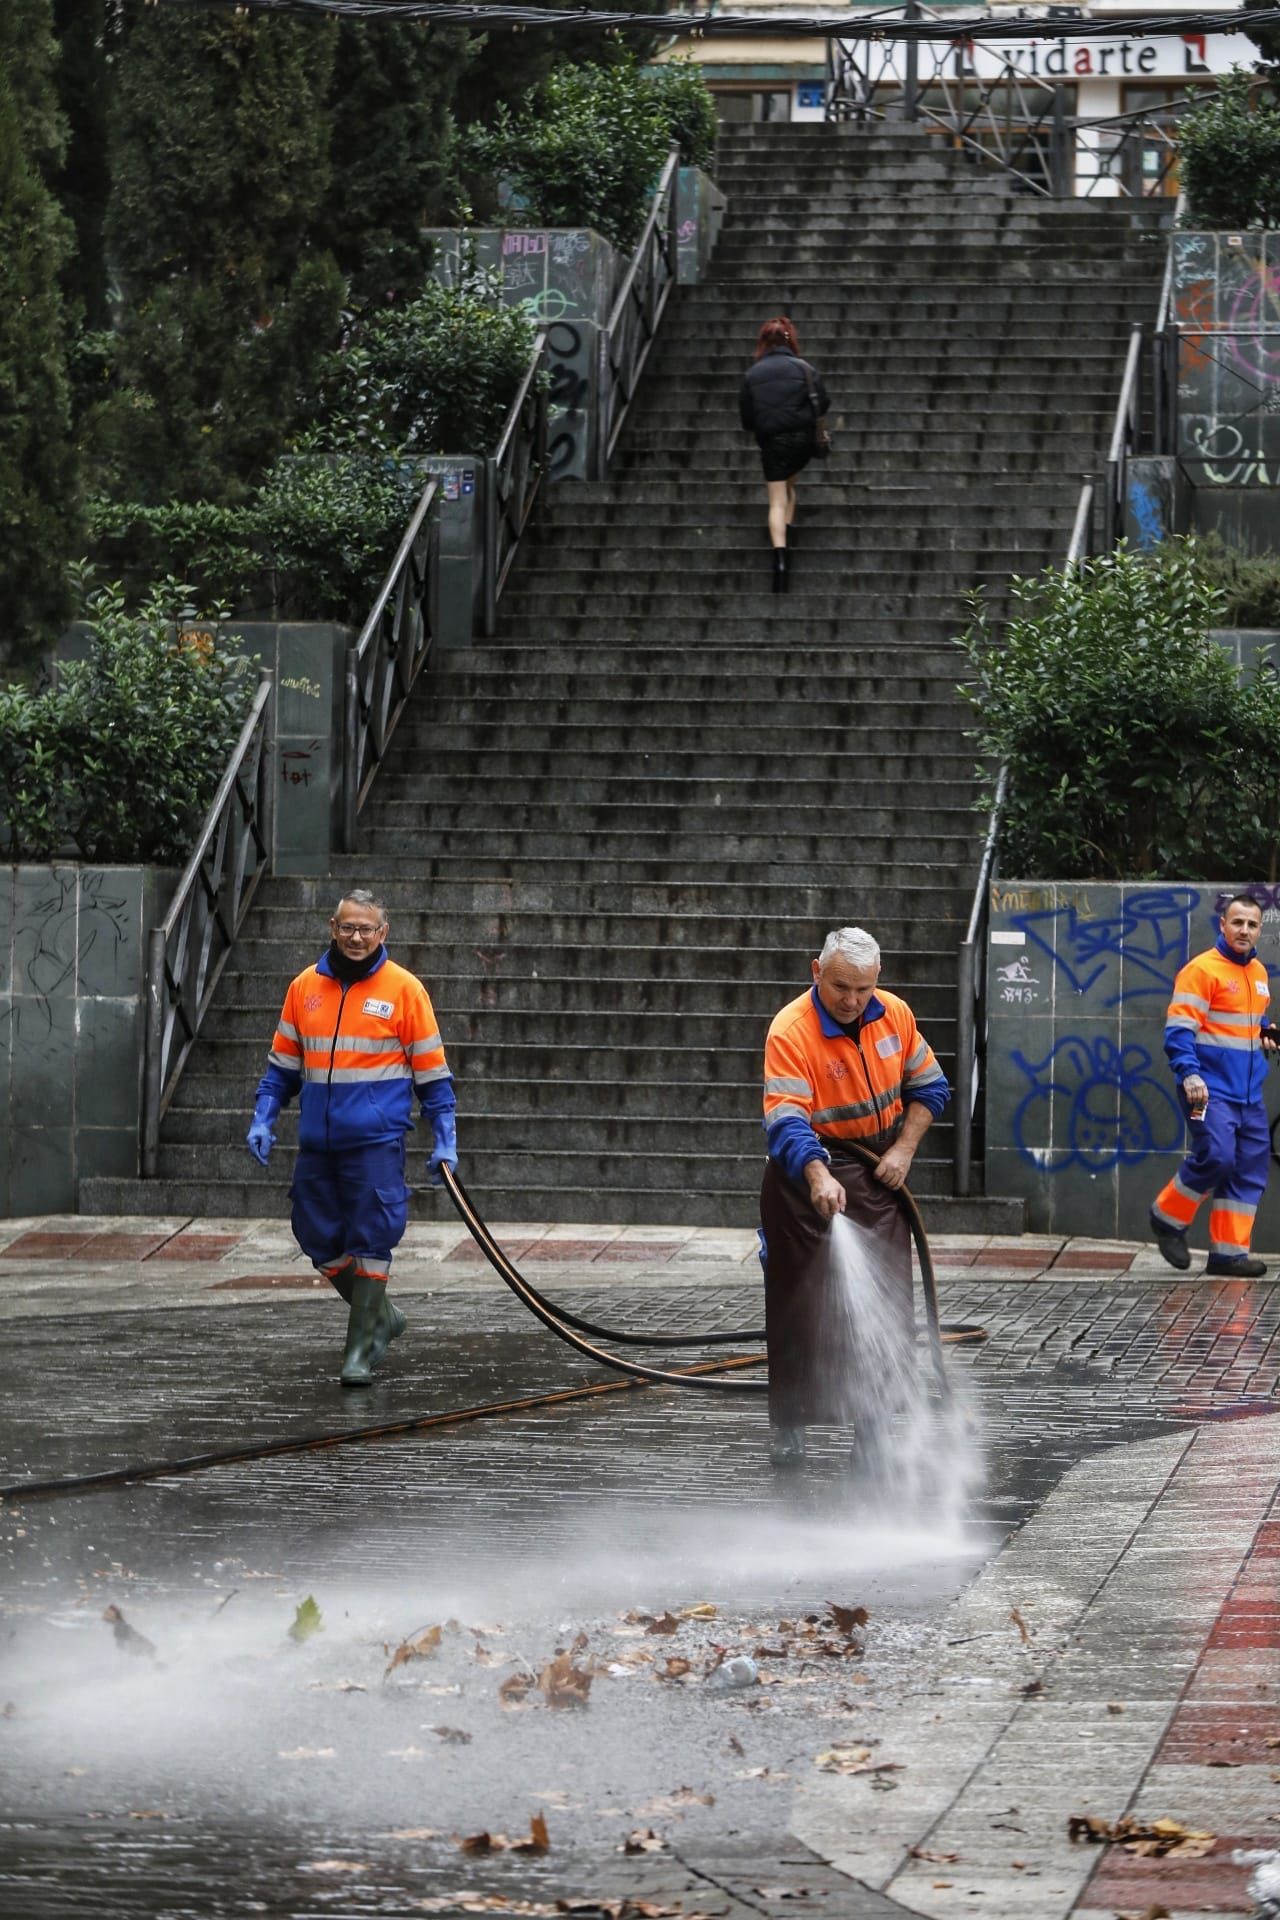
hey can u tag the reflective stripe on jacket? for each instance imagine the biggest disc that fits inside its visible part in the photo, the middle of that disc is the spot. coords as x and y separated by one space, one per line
824 1085
359 1051
1215 1022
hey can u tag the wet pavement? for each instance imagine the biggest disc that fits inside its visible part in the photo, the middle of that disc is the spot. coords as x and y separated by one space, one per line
1079 1619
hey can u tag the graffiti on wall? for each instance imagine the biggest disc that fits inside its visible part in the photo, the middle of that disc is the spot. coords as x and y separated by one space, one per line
1226 296
1100 1104
1149 932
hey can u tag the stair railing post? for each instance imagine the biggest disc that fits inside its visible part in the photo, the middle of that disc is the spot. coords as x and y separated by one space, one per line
490 562
603 396
350 751
911 78
1059 154
153 1054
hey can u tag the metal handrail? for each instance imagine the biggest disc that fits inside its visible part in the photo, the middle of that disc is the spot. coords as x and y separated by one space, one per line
1164 352
513 478
1124 437
971 1031
633 322
188 951
384 661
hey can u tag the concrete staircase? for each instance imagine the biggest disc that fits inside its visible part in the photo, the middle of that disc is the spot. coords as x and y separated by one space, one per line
612 838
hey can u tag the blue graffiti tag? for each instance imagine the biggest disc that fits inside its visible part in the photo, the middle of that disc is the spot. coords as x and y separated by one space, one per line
1147 511
1115 1113
1150 931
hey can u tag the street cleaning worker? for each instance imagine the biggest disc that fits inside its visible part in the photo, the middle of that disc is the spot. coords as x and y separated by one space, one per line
1220 1040
844 1062
358 1038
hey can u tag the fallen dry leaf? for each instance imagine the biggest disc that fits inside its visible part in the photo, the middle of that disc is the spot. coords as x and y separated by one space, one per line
452 1736
420 1647
562 1685
674 1668
643 1840
703 1611
335 1866
1024 1633
854 1760
148 1813
735 1745
848 1620
1032 1688
514 1688
336 1686
659 1623
537 1841
938 1859
1153 1839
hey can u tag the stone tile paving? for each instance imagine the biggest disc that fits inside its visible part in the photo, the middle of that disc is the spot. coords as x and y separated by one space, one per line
1144 1676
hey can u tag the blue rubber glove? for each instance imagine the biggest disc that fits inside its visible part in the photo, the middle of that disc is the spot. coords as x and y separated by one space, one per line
261 1136
445 1152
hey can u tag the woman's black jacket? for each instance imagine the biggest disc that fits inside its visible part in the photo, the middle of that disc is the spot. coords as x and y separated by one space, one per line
775 395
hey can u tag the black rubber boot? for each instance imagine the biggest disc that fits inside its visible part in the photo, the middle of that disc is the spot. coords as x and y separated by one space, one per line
1236 1266
786 1446
369 1330
1172 1244
781 573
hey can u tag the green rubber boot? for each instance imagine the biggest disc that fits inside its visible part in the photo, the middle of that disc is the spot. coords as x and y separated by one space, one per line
369 1330
344 1283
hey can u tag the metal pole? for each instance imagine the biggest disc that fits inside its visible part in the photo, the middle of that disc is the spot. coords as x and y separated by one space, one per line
153 1057
603 397
267 778
1060 158
964 1075
350 751
911 81
490 546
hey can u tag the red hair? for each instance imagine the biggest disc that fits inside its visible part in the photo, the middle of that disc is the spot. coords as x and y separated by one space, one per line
776 333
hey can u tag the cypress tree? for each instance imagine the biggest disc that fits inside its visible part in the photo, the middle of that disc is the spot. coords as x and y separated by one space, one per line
39 523
220 161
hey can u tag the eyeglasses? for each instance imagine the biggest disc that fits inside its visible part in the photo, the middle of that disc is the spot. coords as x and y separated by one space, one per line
350 928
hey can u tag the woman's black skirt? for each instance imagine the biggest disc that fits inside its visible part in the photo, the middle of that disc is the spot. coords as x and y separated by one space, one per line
783 454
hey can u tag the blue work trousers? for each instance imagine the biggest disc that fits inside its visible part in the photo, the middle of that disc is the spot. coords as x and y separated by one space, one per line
1230 1159
350 1207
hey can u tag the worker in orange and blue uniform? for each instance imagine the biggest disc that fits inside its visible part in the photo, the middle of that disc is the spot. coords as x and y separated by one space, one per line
845 1062
1219 1039
357 1038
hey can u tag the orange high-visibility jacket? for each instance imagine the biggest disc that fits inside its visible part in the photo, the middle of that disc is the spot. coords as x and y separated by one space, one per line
822 1086
359 1052
1217 1016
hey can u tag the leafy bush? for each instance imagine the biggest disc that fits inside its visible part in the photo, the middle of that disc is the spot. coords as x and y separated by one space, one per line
1134 750
121 757
585 151
1250 582
1230 158
436 375
685 101
312 543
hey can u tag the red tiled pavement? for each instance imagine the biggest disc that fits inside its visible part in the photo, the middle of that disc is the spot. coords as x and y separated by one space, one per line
1247 1622
196 1246
1030 1257
1204 1733
468 1253
1126 1883
121 1246
1093 1260
638 1250
45 1246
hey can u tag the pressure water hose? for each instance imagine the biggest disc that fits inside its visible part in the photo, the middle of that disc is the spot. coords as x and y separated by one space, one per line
571 1328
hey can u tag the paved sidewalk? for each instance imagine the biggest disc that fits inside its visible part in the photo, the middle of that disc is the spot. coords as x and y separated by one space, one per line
1118 1655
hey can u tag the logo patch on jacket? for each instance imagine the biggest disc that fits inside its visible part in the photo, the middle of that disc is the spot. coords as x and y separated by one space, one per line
380 1009
889 1044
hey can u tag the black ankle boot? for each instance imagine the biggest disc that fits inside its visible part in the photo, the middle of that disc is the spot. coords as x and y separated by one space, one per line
781 575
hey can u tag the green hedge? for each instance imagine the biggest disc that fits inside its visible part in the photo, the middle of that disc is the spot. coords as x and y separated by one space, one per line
1229 156
1134 749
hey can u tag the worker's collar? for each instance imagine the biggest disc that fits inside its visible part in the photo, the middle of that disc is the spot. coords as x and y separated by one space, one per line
334 963
1229 953
832 1028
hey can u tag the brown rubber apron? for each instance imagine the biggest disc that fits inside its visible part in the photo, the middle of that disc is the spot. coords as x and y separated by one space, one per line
814 1367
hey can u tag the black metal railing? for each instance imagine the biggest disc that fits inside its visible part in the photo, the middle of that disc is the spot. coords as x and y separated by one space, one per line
971 1002
186 954
385 661
990 104
637 311
1125 438
513 476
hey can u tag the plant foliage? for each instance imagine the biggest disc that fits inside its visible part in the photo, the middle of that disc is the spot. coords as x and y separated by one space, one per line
120 757
586 150
1230 158
1250 582
1133 748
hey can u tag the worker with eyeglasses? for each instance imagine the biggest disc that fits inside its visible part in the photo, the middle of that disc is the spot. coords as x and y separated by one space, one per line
357 1039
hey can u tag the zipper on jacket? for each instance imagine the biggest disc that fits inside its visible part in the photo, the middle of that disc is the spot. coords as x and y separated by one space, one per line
333 1048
